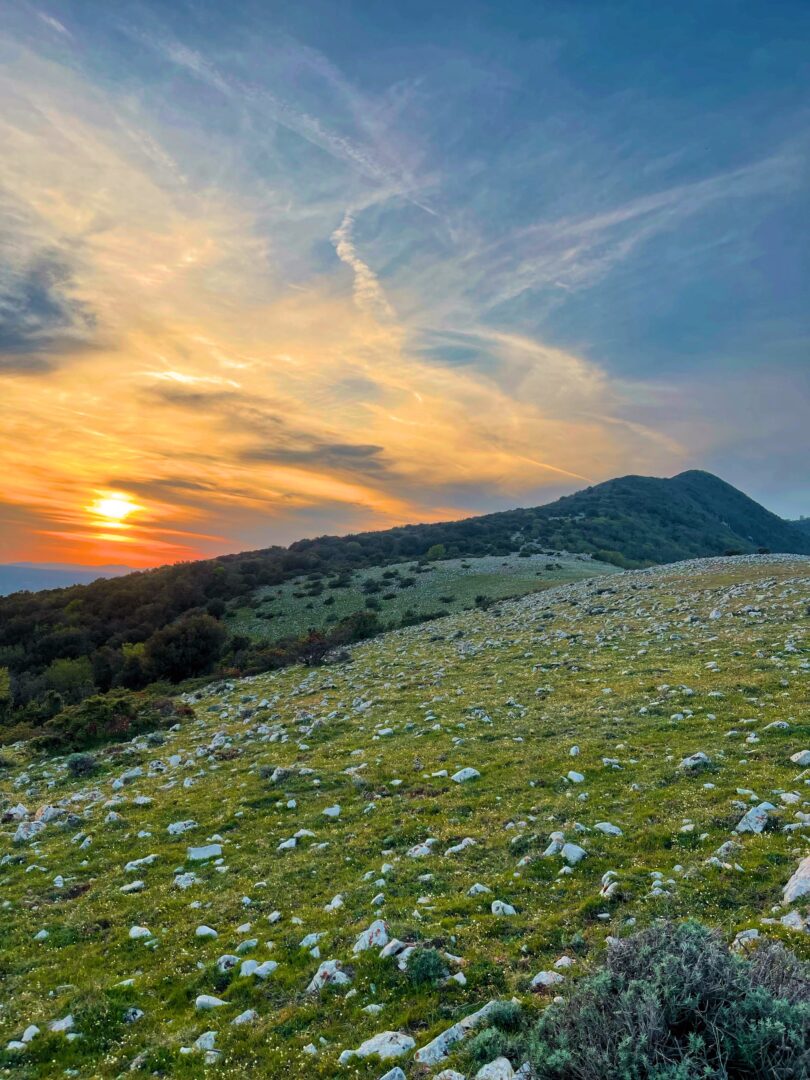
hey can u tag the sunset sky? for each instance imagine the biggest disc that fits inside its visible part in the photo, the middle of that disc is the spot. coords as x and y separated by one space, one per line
272 270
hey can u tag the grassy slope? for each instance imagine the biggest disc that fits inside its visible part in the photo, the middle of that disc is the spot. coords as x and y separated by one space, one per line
445 587
508 691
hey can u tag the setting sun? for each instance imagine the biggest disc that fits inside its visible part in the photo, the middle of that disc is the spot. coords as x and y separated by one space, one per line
114 508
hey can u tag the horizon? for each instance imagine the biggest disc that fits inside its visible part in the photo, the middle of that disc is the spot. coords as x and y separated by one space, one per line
270 274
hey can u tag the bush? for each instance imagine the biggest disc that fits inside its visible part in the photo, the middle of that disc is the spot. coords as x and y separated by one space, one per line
79 765
111 717
672 1003
426 967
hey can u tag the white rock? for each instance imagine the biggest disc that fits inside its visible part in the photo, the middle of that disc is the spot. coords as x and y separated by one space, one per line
545 979
755 819
799 883
332 811
205 932
801 758
136 864
138 932
573 853
206 851
65 1024
500 907
608 829
328 974
438 1049
695 761
499 1069
375 937
207 1001
246 1017
388 1044
463 775
744 940
178 827
462 846
27 830
478 889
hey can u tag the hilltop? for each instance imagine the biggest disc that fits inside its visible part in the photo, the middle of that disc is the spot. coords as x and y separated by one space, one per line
193 619
312 864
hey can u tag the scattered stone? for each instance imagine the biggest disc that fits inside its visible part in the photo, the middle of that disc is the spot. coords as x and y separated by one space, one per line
755 819
463 775
202 854
799 883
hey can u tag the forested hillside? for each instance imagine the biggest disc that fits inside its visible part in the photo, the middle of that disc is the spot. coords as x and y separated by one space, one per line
62 646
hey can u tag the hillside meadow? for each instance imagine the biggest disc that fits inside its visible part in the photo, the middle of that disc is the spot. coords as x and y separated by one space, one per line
461 812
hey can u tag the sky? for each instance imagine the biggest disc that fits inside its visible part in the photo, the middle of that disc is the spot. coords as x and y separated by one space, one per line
273 270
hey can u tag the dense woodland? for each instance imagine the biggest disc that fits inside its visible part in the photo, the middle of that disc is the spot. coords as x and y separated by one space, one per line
61 647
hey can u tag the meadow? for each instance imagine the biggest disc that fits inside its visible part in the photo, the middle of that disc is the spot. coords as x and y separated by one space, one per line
326 798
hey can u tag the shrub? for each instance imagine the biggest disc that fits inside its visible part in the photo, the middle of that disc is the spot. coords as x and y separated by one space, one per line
79 765
672 1003
426 967
111 717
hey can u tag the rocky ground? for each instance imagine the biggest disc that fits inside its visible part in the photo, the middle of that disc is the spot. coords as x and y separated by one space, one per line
259 890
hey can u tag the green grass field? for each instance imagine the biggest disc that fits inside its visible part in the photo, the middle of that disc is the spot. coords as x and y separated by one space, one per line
636 670
405 591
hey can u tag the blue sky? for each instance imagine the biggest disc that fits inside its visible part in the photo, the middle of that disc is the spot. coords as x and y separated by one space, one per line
274 269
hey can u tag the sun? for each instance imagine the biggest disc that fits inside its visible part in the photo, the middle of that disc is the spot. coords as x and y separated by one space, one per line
113 508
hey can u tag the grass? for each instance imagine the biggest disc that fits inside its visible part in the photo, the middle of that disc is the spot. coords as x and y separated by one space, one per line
406 592
617 667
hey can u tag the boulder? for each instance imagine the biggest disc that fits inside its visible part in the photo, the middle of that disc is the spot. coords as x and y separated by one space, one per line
799 883
206 851
375 937
386 1045
463 775
499 1069
755 819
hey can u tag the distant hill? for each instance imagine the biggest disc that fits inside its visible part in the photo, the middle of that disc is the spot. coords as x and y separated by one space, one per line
33 577
803 524
168 623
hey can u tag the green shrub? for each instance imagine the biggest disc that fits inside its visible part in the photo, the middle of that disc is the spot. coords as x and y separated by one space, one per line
112 717
79 765
426 967
672 1003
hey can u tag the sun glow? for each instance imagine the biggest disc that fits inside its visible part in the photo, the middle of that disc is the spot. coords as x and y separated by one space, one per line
113 509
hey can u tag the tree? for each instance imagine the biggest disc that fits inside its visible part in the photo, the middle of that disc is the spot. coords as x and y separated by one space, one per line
185 648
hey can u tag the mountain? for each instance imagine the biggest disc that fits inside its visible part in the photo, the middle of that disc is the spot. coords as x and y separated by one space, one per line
803 524
173 622
33 577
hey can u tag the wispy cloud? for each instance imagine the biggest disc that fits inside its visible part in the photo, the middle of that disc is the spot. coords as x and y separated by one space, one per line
368 293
